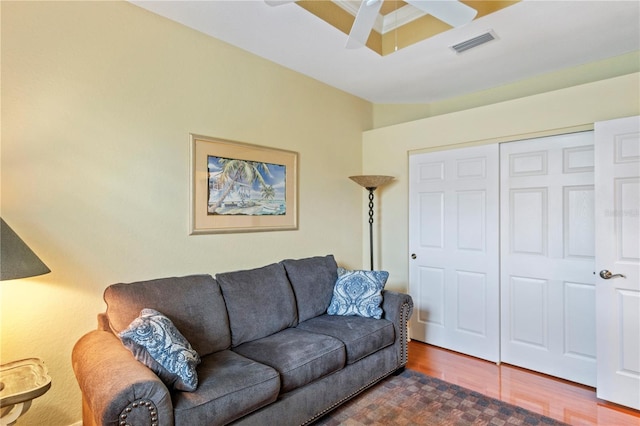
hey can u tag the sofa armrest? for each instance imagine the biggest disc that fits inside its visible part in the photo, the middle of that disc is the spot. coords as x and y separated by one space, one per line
115 386
398 308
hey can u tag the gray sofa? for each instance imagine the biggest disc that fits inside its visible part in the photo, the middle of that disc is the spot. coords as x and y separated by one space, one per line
270 353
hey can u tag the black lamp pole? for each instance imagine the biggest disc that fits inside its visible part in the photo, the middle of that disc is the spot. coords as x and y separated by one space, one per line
371 189
371 183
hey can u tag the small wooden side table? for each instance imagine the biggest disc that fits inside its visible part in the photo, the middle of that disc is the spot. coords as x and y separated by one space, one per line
20 383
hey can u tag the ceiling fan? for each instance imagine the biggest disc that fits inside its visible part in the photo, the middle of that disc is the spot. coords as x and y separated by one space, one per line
452 12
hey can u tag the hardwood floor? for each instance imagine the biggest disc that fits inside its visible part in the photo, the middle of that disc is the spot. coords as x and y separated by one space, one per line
562 400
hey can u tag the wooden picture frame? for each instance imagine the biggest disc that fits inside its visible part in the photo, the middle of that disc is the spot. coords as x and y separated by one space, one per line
239 187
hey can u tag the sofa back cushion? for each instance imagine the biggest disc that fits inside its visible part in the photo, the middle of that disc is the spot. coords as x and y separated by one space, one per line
312 280
193 303
260 302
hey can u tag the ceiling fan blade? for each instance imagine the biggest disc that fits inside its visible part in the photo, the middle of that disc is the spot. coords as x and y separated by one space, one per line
452 12
362 25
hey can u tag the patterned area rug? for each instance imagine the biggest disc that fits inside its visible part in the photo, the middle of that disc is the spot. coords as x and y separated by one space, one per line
412 398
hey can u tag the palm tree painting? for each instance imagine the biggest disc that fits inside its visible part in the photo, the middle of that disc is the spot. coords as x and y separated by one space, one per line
241 187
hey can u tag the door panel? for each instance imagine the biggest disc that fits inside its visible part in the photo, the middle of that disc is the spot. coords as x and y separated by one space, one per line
528 317
528 221
454 278
547 256
617 194
432 210
579 202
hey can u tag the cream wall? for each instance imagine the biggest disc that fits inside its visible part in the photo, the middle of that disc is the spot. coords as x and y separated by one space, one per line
98 100
386 150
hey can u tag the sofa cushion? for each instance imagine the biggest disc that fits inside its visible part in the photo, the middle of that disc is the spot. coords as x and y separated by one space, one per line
260 302
157 343
312 280
361 336
358 293
230 387
199 312
299 356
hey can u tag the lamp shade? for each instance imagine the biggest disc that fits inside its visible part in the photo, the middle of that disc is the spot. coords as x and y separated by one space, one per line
371 181
16 258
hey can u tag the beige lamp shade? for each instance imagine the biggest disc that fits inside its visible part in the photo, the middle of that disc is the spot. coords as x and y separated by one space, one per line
371 181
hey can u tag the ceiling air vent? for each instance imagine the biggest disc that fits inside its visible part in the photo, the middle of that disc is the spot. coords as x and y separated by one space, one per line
474 42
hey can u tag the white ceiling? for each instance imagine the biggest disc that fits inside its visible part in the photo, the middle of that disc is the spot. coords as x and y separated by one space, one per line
533 37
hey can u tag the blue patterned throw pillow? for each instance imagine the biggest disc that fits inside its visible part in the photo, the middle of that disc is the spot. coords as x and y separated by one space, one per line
157 343
358 293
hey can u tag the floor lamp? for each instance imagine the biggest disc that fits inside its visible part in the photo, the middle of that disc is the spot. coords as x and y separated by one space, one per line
370 183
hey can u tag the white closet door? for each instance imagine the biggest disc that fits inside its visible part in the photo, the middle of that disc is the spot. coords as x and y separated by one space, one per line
547 256
453 242
618 251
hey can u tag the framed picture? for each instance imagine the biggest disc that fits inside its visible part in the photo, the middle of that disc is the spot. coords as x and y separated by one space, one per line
238 187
